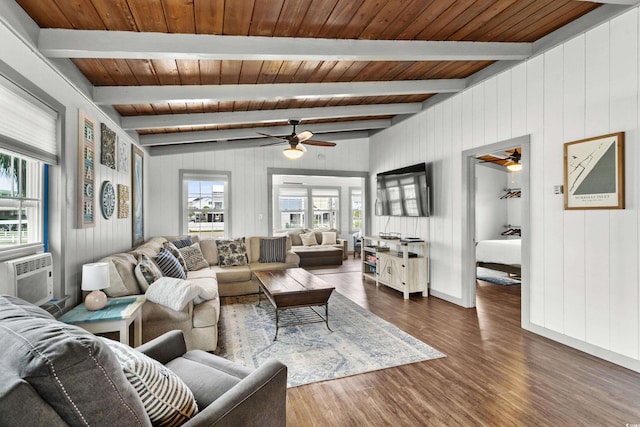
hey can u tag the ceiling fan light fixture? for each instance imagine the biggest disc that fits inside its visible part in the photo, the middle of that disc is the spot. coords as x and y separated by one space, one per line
515 167
292 153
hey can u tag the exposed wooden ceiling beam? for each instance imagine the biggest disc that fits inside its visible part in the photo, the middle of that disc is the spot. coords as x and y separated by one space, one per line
166 121
319 129
64 43
113 95
622 2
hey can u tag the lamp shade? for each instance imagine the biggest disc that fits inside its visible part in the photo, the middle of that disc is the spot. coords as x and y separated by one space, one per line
293 153
95 276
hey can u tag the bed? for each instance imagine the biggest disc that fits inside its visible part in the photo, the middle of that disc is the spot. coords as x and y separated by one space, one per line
500 255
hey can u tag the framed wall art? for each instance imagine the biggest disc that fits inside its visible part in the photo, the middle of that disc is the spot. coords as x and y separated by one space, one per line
108 141
86 170
137 196
123 156
594 173
123 201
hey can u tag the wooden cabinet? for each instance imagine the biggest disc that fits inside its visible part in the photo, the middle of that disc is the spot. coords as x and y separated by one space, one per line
391 262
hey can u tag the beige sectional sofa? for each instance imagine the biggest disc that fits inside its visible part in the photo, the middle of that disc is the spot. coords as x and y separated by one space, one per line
199 322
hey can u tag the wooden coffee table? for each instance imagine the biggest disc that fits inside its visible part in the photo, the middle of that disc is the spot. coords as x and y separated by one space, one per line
295 288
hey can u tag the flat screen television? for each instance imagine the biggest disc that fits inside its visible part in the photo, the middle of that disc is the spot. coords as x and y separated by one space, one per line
403 192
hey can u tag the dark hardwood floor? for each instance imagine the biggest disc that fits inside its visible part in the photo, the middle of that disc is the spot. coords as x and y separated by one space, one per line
495 373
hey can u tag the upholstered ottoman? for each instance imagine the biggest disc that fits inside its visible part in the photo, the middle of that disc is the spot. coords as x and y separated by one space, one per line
314 256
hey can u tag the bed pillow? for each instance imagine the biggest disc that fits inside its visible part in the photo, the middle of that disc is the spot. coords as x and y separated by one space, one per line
232 252
193 257
169 265
309 239
146 272
329 237
273 250
165 397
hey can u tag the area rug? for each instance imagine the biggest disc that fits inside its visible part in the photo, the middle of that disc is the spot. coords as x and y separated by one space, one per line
504 281
360 341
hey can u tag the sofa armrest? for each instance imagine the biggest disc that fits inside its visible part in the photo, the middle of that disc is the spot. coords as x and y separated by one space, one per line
260 399
292 258
166 347
345 247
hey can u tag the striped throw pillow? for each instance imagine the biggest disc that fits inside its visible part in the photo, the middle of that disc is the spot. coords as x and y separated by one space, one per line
165 397
176 253
183 242
273 250
169 265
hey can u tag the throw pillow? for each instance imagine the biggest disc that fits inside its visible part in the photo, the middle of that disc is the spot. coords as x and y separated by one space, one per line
273 250
176 253
328 237
166 398
183 242
169 265
193 257
309 239
295 238
146 272
232 252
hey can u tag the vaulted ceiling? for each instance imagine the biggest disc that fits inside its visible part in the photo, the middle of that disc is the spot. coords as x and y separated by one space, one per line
203 71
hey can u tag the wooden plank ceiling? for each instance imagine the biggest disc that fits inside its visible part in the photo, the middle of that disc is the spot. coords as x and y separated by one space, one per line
491 22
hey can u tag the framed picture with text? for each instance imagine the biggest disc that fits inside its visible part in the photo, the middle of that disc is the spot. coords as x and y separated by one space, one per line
594 173
86 170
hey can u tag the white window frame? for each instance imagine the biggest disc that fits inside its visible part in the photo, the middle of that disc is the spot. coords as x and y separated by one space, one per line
204 175
352 191
308 210
28 201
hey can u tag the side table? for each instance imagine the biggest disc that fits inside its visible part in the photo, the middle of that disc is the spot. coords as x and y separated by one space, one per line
118 314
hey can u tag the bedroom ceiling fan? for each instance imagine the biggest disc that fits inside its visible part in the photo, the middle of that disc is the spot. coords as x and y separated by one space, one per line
511 161
295 141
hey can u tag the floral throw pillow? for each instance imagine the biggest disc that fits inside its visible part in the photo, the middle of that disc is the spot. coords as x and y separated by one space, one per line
232 252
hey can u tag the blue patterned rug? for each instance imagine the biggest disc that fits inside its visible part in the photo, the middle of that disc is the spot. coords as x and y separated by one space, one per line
360 341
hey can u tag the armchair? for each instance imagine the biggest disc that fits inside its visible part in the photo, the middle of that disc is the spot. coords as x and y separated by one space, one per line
357 244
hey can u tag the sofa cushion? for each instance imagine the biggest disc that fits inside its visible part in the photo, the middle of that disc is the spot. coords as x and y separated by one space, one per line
232 274
232 252
193 257
309 239
169 265
273 249
206 314
166 398
204 273
67 366
176 253
122 279
328 238
209 250
146 272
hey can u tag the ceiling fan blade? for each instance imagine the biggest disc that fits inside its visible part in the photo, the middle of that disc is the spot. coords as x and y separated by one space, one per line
319 143
303 136
268 144
273 136
301 148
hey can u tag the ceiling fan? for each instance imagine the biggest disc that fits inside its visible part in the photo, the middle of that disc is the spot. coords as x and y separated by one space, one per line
512 161
295 141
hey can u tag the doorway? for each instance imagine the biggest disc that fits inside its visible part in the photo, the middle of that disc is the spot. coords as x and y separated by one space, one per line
469 232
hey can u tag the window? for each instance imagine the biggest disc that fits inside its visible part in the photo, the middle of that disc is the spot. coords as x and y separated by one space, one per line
21 201
292 204
355 198
325 208
205 199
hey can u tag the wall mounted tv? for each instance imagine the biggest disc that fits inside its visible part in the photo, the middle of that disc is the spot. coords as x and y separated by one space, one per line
404 192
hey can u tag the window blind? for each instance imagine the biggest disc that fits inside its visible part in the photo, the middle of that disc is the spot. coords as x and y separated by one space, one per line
28 126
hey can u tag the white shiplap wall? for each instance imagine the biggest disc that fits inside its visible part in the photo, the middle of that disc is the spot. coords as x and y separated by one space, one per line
71 247
584 284
248 167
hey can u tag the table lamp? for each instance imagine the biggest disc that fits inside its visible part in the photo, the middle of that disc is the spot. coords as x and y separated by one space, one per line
95 277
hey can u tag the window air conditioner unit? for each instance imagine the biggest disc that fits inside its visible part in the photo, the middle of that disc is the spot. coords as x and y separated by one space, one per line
29 278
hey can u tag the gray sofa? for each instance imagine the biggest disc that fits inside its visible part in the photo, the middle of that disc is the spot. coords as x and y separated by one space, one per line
198 322
56 374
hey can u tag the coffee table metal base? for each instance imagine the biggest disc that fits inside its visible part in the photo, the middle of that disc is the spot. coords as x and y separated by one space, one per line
322 319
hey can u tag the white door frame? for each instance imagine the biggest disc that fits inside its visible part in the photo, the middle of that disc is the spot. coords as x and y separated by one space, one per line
469 219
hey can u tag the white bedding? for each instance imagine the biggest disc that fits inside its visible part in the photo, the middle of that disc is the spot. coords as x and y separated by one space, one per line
499 251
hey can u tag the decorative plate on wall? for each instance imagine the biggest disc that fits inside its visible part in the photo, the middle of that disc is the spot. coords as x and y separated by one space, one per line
107 199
